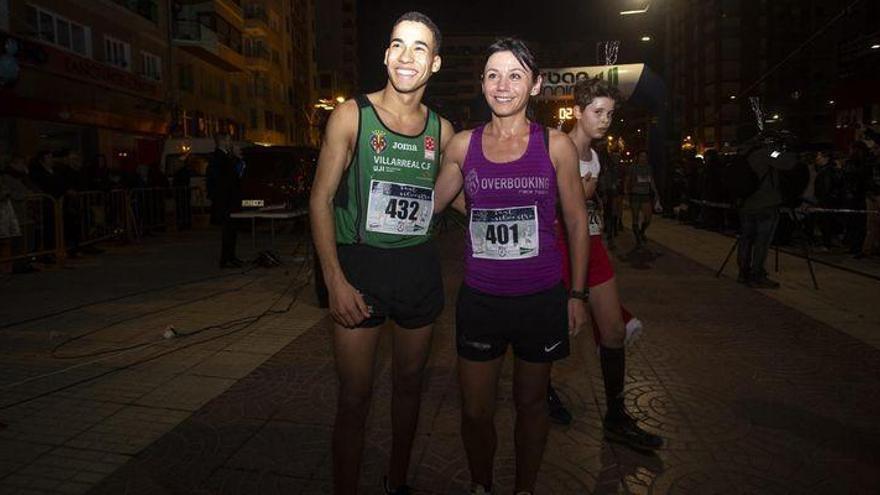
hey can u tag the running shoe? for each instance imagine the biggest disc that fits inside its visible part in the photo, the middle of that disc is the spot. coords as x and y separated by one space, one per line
558 412
624 430
400 490
633 331
478 489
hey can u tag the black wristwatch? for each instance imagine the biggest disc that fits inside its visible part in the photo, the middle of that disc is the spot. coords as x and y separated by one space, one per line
583 295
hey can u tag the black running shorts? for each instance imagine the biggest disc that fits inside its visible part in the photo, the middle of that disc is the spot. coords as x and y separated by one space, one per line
536 325
402 284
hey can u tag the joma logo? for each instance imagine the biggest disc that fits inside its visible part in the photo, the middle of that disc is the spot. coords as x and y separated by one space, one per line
404 147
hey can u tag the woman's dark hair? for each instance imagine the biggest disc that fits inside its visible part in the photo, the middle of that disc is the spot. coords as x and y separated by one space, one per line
519 49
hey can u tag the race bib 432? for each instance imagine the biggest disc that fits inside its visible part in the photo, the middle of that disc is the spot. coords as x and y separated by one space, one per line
401 209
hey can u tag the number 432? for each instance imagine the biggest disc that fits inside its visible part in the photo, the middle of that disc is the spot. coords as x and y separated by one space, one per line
402 209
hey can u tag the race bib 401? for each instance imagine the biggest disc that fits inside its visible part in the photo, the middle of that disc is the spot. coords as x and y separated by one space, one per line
401 209
504 233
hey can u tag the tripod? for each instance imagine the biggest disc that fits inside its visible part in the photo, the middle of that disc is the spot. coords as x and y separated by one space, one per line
807 249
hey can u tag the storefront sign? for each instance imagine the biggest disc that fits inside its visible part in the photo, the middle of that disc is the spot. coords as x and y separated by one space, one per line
44 57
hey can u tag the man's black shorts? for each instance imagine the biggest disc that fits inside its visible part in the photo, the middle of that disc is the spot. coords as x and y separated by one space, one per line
403 284
536 325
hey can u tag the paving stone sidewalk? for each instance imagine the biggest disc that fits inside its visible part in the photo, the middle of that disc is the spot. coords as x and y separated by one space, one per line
752 395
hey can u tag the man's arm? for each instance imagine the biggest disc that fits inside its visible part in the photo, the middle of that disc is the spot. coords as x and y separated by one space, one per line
449 180
347 306
574 212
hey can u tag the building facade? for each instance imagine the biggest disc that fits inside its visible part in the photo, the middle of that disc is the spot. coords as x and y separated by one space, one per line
337 49
455 91
244 67
789 53
93 78
113 79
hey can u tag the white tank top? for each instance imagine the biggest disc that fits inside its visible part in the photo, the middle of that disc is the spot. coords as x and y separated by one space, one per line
592 166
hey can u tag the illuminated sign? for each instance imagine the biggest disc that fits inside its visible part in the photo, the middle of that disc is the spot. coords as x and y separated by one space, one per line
559 83
566 113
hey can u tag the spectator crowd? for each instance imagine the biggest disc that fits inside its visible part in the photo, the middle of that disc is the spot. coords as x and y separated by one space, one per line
830 199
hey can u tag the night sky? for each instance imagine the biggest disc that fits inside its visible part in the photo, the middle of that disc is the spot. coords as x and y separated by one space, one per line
476 16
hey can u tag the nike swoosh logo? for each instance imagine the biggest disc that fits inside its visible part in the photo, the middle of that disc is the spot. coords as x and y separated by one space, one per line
554 346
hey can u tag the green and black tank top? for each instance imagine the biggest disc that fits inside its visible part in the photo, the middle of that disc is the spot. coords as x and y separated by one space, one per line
386 197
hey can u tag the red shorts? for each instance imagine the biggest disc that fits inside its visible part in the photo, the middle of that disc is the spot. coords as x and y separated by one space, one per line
599 269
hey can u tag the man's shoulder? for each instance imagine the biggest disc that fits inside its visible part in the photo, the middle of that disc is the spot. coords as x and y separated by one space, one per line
461 138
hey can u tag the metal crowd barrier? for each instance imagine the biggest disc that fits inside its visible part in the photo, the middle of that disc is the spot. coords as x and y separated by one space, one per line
42 231
809 209
160 207
96 216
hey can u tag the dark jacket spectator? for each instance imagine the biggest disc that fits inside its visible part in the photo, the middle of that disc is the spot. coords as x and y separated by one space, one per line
44 174
224 191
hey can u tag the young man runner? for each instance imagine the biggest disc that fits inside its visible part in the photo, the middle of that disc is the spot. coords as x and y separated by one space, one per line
595 102
371 209
514 173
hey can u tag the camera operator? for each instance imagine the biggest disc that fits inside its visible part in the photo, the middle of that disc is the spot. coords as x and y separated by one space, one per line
759 211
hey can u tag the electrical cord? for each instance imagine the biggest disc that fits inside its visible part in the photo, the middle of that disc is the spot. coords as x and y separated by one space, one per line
296 285
119 298
174 333
246 324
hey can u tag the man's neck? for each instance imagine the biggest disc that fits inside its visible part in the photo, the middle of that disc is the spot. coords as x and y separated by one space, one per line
400 104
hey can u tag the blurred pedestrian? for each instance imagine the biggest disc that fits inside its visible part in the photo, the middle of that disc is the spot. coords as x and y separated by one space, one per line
642 194
855 186
15 180
224 191
872 194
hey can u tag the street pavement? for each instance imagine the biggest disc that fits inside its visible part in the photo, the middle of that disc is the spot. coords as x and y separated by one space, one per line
754 391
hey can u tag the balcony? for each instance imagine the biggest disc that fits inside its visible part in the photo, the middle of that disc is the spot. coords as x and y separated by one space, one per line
258 58
148 9
256 20
209 46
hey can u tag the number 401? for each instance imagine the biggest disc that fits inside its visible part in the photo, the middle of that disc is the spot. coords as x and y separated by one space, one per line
500 234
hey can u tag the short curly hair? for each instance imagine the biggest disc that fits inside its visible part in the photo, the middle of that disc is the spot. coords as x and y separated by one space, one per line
414 16
588 89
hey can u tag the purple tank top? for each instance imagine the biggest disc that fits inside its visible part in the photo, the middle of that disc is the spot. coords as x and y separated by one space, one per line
511 241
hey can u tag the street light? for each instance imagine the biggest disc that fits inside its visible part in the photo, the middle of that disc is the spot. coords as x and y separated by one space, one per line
636 11
875 46
646 38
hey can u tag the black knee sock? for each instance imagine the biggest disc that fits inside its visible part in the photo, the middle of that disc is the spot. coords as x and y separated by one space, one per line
613 370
